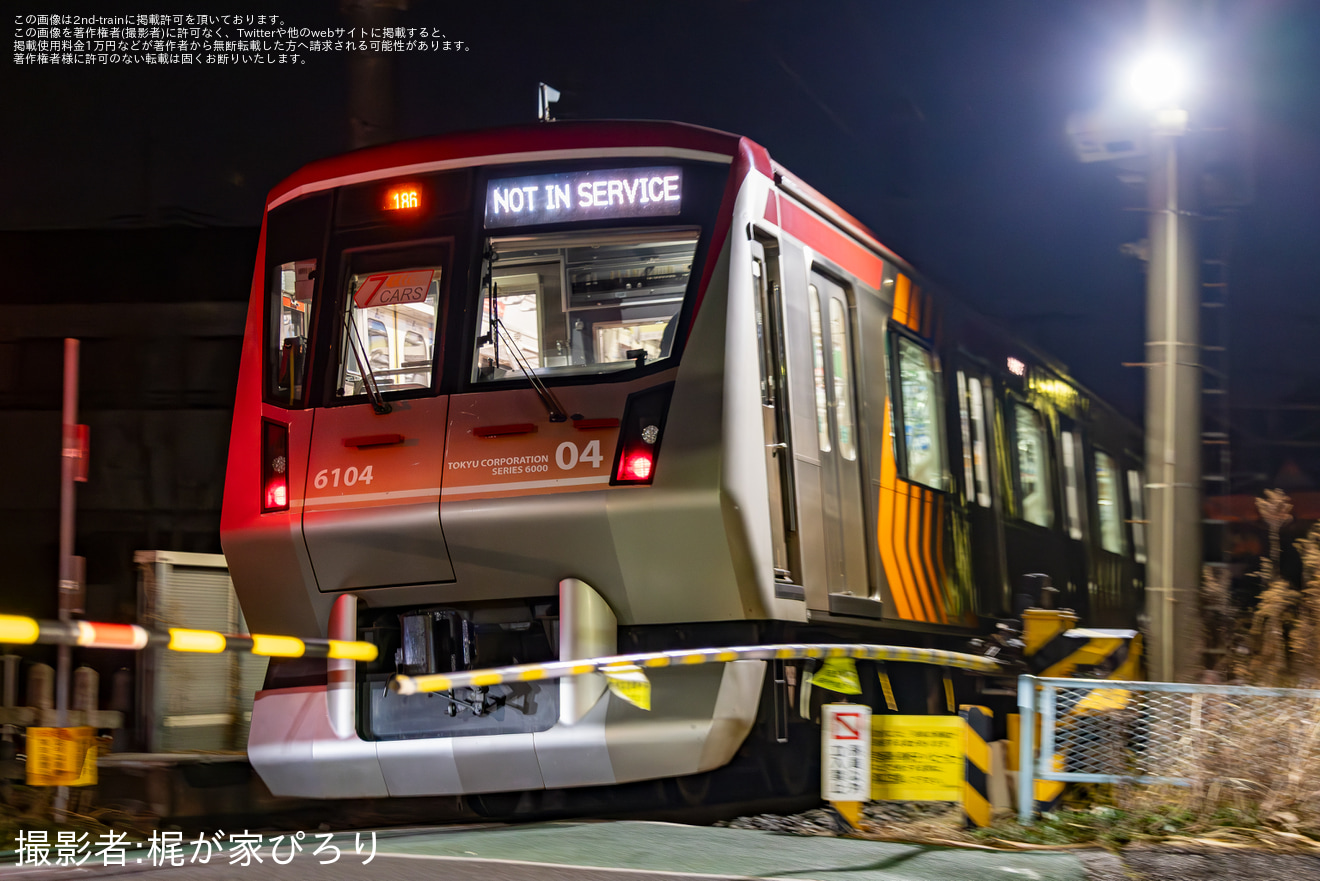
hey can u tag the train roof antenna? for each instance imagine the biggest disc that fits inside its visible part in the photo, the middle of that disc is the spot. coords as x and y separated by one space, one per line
545 96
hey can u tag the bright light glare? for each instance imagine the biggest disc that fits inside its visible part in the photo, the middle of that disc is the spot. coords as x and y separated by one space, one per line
639 467
1159 80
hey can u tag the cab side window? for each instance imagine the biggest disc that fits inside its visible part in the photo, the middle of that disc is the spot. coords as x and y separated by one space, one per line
919 414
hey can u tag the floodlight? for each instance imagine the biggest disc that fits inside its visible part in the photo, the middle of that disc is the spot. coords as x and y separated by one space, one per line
1159 80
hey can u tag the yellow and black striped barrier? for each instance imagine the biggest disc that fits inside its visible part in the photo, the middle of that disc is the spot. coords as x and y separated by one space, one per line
616 664
21 630
977 807
1056 648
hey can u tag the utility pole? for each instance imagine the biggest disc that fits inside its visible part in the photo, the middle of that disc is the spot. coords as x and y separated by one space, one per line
1173 383
73 468
1173 415
1146 131
371 103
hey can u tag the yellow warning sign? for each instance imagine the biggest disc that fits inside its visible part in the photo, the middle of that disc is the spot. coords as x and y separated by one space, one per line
61 756
630 683
916 758
838 674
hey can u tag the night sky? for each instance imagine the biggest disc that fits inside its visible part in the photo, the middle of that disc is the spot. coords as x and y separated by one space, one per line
939 124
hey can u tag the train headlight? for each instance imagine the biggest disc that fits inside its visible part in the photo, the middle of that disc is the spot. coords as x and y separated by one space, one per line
640 434
274 467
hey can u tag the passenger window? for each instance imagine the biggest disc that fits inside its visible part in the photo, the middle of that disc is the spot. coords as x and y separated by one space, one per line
1071 488
971 412
291 312
965 423
1110 504
818 365
840 352
923 429
1137 493
1033 469
389 320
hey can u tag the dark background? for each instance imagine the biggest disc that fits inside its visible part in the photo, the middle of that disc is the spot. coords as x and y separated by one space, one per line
130 200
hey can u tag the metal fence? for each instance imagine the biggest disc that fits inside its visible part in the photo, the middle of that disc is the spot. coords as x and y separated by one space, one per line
1106 731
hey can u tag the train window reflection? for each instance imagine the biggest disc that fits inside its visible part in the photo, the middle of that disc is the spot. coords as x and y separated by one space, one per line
1110 503
841 357
1033 467
818 363
980 444
291 312
582 302
923 429
1071 490
1136 492
390 316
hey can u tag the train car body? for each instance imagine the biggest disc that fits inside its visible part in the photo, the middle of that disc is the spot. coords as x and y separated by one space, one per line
586 388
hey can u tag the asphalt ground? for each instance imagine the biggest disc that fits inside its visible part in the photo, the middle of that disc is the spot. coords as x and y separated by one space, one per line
587 851
651 851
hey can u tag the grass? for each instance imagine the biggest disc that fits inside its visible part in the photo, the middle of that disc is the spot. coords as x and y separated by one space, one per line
27 809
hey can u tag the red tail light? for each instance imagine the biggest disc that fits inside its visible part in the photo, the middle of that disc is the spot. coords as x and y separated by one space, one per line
639 467
274 467
640 436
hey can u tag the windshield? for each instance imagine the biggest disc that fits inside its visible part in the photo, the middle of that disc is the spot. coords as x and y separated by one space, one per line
391 318
581 303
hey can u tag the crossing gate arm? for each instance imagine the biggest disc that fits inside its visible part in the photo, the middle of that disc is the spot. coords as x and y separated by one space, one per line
687 657
21 630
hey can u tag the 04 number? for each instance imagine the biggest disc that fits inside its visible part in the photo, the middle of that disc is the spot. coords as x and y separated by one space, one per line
567 456
331 477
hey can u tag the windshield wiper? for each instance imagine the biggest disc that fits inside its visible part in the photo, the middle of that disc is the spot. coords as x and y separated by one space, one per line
378 402
498 331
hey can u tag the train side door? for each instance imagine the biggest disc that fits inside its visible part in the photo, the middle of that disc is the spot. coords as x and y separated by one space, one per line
1034 526
774 412
976 402
832 345
372 515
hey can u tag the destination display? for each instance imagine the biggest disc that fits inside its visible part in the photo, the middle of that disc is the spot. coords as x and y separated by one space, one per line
584 195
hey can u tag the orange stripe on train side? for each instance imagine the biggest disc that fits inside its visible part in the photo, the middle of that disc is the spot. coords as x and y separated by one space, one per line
915 299
898 537
924 575
903 548
913 557
933 551
938 551
885 527
902 290
929 552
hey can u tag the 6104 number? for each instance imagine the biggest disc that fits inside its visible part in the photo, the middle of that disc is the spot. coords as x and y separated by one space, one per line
330 477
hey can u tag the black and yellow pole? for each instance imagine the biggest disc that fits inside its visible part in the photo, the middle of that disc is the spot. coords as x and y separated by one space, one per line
21 630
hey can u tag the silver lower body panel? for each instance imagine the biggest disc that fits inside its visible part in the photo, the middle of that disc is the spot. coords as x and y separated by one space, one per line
700 717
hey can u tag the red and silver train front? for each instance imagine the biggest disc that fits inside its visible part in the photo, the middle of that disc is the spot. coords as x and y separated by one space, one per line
481 421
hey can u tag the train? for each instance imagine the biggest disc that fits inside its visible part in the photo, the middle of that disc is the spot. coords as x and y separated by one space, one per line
582 388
